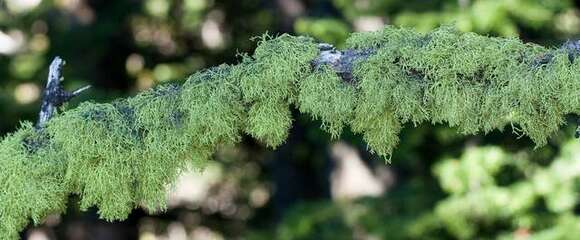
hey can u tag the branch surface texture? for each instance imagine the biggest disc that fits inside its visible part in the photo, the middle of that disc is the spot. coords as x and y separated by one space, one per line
122 155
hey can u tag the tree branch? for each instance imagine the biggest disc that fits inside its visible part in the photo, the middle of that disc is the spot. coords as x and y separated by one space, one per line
342 62
122 155
54 95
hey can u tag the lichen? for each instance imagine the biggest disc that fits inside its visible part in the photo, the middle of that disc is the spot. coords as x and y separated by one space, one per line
97 141
122 155
31 184
324 96
160 122
216 112
269 84
271 74
269 122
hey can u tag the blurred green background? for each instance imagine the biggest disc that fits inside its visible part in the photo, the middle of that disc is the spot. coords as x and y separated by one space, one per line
440 185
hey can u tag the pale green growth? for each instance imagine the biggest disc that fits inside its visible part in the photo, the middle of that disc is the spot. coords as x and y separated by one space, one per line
268 83
160 123
269 122
388 94
570 97
100 147
31 183
380 128
124 155
540 97
388 37
384 86
216 112
471 82
271 74
328 98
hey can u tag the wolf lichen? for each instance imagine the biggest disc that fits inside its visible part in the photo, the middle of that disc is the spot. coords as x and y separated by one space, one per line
213 102
268 82
160 122
123 155
101 156
31 183
325 96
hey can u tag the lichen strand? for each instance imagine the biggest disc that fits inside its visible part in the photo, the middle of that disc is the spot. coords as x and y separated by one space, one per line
160 122
325 97
214 104
272 73
102 156
123 155
269 122
31 184
474 83
269 84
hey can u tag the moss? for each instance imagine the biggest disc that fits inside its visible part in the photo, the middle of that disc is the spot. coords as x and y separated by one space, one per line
326 97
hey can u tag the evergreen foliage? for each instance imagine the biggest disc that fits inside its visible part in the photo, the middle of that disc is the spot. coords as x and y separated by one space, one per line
121 155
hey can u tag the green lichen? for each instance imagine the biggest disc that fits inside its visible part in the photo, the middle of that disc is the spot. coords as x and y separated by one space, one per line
326 97
474 83
269 122
160 122
31 183
100 147
268 82
123 155
216 112
271 74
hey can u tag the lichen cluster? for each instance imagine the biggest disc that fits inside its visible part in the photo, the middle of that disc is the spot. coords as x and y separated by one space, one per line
122 155
474 83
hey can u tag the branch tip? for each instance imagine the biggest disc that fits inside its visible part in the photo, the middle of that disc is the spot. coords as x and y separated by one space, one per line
54 95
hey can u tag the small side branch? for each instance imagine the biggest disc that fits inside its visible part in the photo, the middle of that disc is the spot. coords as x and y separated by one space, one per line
54 95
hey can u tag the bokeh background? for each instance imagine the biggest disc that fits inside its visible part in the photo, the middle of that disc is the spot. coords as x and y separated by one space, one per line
439 185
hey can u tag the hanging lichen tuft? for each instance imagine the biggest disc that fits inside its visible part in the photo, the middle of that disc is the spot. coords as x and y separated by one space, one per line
102 152
326 97
268 83
31 180
123 155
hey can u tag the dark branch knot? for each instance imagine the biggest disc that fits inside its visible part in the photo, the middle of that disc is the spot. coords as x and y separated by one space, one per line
54 95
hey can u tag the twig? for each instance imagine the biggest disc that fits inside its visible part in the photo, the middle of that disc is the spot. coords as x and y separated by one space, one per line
54 95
